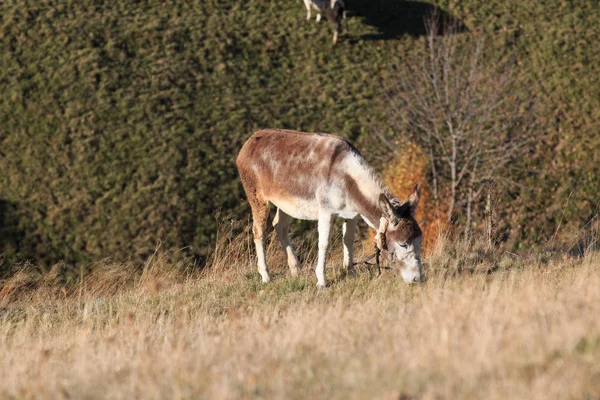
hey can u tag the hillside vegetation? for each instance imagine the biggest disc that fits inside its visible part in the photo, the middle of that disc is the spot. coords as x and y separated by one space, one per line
120 120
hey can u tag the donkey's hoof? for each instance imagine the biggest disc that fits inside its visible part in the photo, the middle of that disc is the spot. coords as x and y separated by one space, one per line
265 278
321 285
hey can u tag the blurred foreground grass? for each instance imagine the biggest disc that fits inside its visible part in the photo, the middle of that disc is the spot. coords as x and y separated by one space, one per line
483 325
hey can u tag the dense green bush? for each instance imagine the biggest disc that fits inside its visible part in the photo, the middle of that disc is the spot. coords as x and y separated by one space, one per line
120 120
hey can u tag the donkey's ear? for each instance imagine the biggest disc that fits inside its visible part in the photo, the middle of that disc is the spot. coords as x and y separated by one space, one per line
413 200
387 209
395 203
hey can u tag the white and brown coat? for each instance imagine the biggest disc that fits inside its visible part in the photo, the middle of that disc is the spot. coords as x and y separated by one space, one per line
317 176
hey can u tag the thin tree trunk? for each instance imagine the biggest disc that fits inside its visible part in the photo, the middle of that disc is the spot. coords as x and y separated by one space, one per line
453 182
433 174
469 211
470 201
490 212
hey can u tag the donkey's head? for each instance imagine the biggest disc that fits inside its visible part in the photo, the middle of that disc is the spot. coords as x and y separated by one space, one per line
402 238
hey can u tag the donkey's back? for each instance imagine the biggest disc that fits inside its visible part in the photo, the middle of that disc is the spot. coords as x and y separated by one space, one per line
296 171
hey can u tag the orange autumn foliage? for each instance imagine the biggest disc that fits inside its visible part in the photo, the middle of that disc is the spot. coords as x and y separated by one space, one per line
400 176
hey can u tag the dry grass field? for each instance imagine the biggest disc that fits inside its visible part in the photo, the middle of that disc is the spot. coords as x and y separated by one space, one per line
483 325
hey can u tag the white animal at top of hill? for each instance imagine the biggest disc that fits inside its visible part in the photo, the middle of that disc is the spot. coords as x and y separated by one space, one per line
317 176
334 11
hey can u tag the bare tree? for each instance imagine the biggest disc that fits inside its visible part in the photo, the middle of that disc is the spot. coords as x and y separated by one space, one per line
461 103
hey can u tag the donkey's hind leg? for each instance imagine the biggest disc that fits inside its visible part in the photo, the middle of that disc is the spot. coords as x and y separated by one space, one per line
260 212
281 222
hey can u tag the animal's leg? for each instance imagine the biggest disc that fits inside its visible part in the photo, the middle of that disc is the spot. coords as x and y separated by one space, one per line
282 226
335 36
260 212
349 230
325 221
307 5
318 17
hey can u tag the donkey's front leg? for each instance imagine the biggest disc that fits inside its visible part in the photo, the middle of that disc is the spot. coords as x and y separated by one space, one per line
325 221
349 229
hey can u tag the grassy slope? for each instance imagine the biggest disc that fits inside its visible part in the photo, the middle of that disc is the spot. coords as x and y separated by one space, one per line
529 330
119 121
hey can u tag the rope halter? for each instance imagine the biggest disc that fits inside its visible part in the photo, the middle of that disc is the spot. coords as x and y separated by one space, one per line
380 243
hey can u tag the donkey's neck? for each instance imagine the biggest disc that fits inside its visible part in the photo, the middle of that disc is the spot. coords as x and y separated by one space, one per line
364 190
371 215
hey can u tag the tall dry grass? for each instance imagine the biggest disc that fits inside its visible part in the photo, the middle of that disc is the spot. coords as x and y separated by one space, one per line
484 325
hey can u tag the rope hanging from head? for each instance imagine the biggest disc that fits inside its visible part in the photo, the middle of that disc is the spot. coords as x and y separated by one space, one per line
380 244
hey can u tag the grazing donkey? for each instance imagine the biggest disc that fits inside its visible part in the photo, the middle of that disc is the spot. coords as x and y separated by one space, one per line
334 11
317 176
